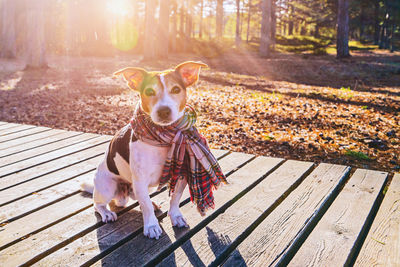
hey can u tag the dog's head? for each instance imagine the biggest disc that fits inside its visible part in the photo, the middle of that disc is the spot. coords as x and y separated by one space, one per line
163 93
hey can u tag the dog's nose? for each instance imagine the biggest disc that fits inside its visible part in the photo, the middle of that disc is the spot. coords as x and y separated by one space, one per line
164 112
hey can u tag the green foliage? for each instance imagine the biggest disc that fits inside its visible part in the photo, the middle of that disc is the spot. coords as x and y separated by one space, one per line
299 44
357 155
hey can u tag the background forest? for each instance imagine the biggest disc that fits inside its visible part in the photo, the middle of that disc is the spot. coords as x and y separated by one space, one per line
206 27
315 80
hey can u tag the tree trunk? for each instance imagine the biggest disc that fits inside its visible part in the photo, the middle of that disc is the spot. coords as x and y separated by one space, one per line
291 22
377 27
265 28
238 40
163 29
189 20
316 31
342 44
35 34
149 31
362 22
248 22
8 46
392 41
273 24
201 19
219 19
173 35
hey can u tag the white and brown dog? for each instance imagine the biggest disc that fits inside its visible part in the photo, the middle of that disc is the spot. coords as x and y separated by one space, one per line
132 167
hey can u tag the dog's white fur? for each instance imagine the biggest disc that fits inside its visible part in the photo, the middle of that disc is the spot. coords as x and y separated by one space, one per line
143 172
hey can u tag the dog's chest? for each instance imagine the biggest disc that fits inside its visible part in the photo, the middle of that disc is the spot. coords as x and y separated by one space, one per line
147 162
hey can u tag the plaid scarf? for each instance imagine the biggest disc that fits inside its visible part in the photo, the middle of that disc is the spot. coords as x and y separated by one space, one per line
189 156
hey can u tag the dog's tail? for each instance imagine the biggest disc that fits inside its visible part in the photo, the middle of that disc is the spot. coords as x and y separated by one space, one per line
87 187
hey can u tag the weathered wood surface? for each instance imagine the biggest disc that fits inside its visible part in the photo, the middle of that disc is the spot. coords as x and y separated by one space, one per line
33 141
273 212
62 145
382 244
332 239
272 237
25 131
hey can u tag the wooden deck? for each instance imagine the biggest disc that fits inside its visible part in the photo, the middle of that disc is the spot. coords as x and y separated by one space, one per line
273 212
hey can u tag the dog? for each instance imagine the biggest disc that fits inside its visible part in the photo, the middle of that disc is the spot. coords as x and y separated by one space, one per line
132 167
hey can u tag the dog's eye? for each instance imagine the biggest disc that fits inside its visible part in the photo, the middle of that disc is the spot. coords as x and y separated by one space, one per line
149 92
176 90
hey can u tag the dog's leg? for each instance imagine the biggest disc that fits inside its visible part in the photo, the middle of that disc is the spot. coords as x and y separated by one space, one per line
174 213
104 190
151 227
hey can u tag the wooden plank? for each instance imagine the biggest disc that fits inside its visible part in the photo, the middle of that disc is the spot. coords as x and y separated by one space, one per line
331 241
382 244
15 129
41 219
219 152
8 126
146 249
51 166
36 161
33 141
19 208
265 245
10 199
72 228
208 243
56 147
26 132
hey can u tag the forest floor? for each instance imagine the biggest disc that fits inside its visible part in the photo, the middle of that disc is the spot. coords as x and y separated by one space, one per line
304 107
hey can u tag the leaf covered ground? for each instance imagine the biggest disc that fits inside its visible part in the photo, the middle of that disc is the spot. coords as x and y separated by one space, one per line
292 106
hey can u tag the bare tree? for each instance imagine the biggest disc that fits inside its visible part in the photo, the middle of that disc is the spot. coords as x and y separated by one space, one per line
163 29
220 18
238 39
35 46
248 21
265 41
174 30
201 19
342 42
149 32
8 35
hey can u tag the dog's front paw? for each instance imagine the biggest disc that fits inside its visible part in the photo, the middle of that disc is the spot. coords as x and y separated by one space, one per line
152 231
177 219
106 215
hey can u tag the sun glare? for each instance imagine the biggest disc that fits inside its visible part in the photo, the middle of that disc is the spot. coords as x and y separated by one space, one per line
118 7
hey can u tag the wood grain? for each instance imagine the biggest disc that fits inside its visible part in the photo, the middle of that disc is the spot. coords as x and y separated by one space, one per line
26 196
25 131
8 125
52 148
41 219
212 240
47 157
52 166
273 236
331 241
33 141
382 244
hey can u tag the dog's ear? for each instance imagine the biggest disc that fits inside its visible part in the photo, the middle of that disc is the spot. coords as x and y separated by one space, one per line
189 71
133 76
